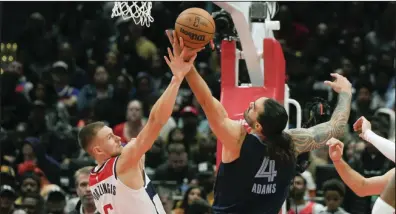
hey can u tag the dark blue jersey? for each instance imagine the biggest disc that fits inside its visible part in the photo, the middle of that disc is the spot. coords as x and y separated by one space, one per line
254 183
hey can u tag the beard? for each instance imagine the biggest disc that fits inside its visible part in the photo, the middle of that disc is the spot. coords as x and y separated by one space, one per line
247 119
364 104
297 194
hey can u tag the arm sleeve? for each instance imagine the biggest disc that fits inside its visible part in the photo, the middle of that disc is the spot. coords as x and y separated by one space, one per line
386 147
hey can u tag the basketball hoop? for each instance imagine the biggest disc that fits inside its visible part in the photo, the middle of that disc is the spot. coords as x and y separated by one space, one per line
139 11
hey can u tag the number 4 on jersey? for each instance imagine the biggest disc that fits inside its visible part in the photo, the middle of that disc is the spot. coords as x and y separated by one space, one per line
267 170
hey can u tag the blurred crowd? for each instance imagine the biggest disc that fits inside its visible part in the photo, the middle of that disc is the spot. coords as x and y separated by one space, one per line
66 64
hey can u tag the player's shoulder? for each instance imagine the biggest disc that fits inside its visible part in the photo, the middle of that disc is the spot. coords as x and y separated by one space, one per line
103 172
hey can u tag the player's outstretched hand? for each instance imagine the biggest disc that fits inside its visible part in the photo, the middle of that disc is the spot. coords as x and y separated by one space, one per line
340 84
336 149
176 45
362 125
177 64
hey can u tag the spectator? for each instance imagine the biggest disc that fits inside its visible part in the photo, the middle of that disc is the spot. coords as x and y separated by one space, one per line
67 94
199 206
56 112
134 124
7 198
192 194
334 192
55 201
36 49
24 86
123 93
100 89
30 183
85 204
113 66
33 156
155 156
144 90
363 106
177 168
206 152
176 135
167 202
14 105
139 50
189 123
298 204
33 203
311 185
78 77
7 176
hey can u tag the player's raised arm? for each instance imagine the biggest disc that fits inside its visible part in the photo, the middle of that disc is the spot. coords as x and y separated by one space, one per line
160 112
229 132
312 138
385 146
360 185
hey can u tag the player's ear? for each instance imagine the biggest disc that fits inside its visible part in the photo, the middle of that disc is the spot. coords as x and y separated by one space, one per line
258 127
95 149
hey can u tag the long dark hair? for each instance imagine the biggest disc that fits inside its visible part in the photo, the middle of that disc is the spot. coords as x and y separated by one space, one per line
273 121
184 205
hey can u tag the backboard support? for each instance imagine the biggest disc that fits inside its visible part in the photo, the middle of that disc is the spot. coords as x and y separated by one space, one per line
251 36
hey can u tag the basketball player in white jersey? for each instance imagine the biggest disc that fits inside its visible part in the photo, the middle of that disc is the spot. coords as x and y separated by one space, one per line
384 185
385 204
119 183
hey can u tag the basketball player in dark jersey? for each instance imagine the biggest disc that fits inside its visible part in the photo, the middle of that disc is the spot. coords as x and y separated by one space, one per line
257 167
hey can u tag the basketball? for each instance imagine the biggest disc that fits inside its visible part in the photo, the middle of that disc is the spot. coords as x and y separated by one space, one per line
196 27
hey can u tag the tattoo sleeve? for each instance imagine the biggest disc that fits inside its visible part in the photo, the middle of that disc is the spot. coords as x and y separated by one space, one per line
309 139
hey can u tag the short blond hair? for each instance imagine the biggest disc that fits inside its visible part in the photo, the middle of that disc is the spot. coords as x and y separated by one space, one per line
87 134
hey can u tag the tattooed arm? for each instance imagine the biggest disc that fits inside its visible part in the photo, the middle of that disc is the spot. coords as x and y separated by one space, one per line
312 138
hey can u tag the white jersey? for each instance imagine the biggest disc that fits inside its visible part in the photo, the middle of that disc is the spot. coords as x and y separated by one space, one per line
111 196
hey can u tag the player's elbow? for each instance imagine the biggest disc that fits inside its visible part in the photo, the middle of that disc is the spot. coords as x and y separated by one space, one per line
362 190
338 129
360 193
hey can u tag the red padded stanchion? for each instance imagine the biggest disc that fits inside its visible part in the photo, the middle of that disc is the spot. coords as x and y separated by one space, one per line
236 99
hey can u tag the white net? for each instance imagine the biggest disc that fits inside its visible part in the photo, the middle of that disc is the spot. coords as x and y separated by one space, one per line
140 12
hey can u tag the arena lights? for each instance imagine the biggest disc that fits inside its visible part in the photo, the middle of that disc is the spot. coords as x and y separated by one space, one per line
8 46
5 58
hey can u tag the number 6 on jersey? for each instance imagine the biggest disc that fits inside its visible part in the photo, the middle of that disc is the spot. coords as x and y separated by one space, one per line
106 208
